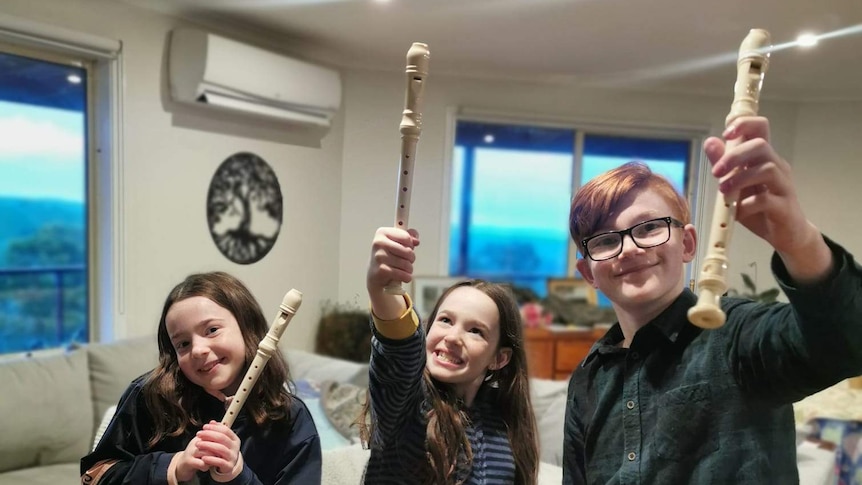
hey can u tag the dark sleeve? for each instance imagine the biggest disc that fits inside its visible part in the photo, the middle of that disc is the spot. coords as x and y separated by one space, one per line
789 351
574 468
395 382
125 440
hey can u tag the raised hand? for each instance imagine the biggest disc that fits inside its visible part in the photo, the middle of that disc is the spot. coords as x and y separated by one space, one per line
392 257
767 203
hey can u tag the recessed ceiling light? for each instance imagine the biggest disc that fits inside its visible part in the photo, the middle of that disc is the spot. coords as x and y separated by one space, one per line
73 78
806 40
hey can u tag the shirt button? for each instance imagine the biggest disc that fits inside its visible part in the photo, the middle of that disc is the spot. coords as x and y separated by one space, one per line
630 404
632 456
635 355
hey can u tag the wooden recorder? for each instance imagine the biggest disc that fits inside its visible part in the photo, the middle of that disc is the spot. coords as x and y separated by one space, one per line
751 66
411 127
268 346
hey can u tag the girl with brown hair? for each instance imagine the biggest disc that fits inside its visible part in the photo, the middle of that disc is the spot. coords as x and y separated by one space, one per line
449 400
166 428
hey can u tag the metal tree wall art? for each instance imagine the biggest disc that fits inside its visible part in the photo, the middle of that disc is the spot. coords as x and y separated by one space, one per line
244 208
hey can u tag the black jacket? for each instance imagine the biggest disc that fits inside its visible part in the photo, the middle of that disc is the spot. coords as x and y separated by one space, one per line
284 453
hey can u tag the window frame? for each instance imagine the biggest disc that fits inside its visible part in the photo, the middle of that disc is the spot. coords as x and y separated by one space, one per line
102 60
694 133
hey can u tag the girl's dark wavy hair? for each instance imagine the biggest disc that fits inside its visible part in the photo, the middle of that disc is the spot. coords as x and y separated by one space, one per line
447 447
172 399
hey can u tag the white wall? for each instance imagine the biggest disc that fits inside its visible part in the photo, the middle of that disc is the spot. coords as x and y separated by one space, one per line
167 171
828 168
372 144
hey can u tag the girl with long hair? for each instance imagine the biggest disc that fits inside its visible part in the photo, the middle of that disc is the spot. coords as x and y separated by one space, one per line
449 400
167 426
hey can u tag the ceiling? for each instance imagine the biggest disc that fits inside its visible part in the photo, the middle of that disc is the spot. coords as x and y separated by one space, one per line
656 45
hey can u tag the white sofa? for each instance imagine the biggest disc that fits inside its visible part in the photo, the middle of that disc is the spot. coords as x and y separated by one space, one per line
53 404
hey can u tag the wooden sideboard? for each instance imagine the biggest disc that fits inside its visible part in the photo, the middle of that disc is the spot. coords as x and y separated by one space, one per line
555 354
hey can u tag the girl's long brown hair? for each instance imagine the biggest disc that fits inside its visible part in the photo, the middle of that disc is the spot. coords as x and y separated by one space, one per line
448 448
172 398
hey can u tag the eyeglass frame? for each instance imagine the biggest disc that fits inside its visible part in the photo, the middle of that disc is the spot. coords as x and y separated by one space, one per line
669 220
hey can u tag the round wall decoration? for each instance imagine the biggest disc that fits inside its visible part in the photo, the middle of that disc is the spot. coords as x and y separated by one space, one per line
244 208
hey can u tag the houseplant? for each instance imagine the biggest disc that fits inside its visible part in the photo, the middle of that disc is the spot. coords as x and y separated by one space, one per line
344 332
751 293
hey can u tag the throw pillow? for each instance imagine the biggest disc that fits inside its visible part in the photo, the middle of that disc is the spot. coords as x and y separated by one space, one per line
551 427
309 392
342 404
45 412
544 392
549 404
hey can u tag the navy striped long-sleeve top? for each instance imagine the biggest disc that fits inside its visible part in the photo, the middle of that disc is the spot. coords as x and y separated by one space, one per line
399 407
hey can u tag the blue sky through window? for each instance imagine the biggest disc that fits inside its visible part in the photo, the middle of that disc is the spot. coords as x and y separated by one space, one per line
41 153
43 201
521 189
511 187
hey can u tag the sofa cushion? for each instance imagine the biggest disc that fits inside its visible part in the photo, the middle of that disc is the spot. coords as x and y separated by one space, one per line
549 405
309 391
43 475
343 402
46 415
344 465
347 465
306 365
113 366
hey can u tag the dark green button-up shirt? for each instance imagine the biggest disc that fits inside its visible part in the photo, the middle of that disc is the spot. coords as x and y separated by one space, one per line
687 405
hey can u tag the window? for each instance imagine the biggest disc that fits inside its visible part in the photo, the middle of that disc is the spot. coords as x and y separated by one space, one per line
511 189
68 88
43 204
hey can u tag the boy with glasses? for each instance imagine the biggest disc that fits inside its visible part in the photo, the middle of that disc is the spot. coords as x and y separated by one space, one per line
658 400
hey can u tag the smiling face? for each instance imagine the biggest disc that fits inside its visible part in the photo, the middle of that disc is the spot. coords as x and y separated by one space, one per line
208 344
642 280
463 340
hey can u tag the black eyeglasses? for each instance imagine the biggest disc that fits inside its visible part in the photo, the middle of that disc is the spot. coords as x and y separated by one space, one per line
647 234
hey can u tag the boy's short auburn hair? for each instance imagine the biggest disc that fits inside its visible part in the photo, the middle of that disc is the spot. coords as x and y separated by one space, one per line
598 198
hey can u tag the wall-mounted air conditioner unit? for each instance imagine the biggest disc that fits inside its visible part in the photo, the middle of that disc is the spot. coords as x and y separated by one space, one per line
205 69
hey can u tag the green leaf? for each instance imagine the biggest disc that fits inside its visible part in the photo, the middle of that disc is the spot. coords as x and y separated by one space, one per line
768 296
749 283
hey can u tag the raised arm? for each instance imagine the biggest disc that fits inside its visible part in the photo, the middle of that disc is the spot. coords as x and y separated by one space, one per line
788 351
397 345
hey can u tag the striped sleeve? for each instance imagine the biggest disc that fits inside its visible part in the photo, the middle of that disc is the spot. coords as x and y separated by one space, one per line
395 374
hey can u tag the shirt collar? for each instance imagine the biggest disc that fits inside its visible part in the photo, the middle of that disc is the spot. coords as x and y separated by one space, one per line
668 323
